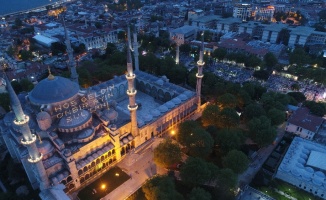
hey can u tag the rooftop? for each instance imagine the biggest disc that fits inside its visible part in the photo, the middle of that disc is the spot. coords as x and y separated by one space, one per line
302 118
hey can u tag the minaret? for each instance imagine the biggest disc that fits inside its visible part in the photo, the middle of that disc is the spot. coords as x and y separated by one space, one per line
199 75
132 107
72 62
129 40
21 120
177 54
136 54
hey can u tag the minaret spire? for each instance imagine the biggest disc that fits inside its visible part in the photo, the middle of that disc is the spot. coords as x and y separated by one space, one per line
72 62
129 39
132 107
28 139
136 54
199 75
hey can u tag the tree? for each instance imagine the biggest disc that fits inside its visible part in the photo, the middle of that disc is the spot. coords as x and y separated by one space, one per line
110 50
167 153
295 86
219 53
236 160
252 61
228 118
200 143
270 60
298 96
26 55
198 193
210 115
322 16
18 22
299 57
184 131
5 101
227 178
228 139
318 109
186 48
26 85
261 130
81 48
98 25
261 74
161 188
277 116
121 35
195 172
57 48
227 101
253 110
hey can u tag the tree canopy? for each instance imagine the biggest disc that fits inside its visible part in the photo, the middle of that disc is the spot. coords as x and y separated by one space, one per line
261 130
167 153
198 193
161 188
196 172
236 160
229 139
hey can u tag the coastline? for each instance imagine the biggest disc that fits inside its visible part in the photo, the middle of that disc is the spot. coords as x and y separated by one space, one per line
42 8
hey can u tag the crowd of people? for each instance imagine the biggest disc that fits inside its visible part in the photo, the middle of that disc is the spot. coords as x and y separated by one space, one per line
278 83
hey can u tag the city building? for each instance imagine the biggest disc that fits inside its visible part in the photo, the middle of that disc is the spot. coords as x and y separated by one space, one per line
242 11
65 137
304 124
304 166
184 33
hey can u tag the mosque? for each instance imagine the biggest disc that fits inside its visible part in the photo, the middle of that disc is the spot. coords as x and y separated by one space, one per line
66 137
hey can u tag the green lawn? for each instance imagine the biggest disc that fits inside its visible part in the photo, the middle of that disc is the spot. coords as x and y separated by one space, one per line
104 185
288 189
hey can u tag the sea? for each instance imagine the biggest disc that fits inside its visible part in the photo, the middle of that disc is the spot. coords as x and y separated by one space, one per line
13 6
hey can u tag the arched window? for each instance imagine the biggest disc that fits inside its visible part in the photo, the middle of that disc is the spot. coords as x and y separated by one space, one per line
80 172
69 179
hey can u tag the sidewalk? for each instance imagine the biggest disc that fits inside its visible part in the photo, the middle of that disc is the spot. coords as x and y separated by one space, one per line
140 167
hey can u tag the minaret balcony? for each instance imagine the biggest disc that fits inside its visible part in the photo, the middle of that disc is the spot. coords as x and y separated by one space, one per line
200 63
130 76
31 160
21 122
28 142
199 76
131 108
131 92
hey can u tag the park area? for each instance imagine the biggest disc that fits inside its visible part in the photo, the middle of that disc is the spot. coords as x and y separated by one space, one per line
104 185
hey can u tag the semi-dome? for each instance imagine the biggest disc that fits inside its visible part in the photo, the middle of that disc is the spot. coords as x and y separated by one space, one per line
111 114
45 147
69 123
52 90
44 120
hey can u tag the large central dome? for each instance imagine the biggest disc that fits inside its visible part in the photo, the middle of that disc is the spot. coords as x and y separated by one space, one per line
52 90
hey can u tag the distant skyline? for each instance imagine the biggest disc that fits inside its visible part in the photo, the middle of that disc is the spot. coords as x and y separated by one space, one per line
11 6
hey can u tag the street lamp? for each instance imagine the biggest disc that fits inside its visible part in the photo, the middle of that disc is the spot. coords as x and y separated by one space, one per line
103 186
172 132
